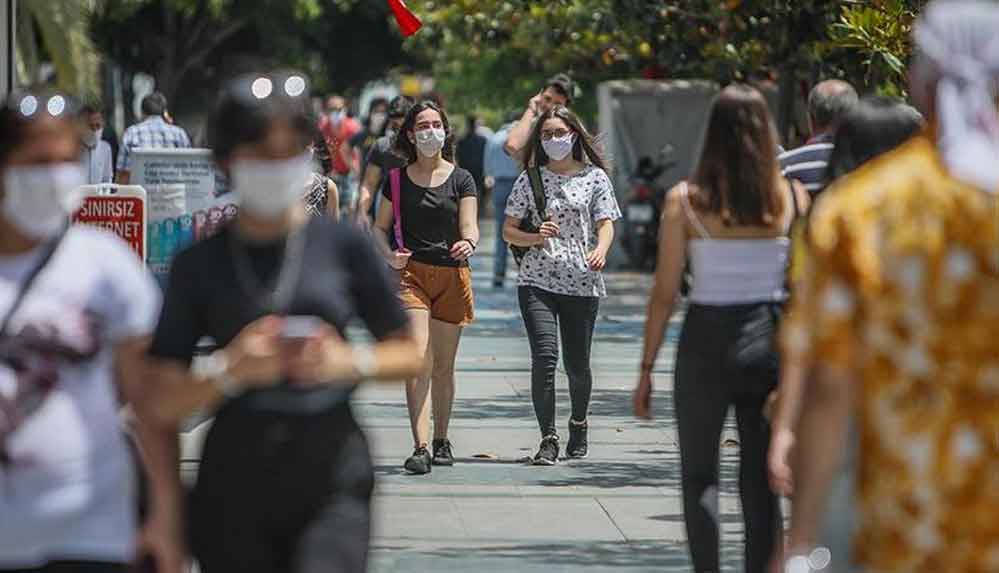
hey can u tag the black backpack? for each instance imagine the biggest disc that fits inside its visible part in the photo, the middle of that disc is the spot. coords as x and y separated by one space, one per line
526 224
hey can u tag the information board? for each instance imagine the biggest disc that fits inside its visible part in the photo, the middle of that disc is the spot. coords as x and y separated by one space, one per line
188 200
120 209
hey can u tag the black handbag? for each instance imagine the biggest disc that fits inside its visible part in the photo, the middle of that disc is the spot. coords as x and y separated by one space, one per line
756 352
527 224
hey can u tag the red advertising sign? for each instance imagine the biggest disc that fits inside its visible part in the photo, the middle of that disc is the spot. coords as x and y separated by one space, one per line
120 213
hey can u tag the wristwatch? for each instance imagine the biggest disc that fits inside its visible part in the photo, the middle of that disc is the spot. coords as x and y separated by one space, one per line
214 369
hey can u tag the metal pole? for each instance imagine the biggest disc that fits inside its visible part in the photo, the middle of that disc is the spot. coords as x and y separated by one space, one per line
7 45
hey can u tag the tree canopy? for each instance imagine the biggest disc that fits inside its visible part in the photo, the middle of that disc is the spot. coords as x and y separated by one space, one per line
495 52
187 45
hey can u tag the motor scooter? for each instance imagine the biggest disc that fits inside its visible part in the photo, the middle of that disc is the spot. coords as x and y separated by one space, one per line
642 211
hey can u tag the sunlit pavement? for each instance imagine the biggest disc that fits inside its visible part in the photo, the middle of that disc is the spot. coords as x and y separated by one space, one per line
619 509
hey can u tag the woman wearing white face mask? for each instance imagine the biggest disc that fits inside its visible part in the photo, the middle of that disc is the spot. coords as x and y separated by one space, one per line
560 280
76 309
432 222
285 477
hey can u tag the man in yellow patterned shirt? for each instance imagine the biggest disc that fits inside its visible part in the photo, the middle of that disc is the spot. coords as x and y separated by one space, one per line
898 314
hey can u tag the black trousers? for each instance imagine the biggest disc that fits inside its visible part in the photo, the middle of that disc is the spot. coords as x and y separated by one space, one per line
283 493
710 379
546 315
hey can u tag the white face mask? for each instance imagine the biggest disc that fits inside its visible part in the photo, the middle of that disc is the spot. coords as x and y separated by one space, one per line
38 199
269 187
377 121
430 141
558 149
90 139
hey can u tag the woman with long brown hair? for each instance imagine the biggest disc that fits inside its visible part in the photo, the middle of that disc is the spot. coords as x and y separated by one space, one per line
434 230
733 220
560 284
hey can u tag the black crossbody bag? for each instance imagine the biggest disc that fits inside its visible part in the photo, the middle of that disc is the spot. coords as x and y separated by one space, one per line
526 224
756 351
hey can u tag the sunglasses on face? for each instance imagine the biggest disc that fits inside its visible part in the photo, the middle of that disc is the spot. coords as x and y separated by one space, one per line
258 88
33 106
548 134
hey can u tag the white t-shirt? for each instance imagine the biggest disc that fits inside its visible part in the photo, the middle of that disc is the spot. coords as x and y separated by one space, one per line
67 487
577 203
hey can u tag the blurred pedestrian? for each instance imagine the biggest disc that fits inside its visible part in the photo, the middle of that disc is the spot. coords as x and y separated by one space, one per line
828 102
153 131
733 219
894 319
427 227
322 196
373 127
558 91
338 127
503 172
470 154
560 280
96 153
78 307
380 160
875 126
285 479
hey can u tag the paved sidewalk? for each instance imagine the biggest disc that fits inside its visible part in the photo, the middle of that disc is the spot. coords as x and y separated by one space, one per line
619 509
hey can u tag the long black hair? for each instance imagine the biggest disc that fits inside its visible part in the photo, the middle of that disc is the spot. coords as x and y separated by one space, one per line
406 149
584 148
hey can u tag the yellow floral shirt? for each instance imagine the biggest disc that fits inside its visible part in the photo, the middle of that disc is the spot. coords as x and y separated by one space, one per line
901 288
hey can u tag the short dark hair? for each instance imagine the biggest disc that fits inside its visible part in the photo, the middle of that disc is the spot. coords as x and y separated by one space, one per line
875 126
399 106
829 101
405 148
88 109
376 102
154 104
562 84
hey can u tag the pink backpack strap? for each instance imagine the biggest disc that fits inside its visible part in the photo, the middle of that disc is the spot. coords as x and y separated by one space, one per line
396 185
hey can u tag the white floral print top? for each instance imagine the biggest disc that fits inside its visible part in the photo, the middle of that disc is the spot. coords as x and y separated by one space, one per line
577 203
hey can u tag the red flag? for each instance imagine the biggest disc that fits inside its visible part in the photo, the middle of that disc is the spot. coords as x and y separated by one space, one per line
408 22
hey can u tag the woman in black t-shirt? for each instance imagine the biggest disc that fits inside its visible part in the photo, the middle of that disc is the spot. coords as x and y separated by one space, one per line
435 234
285 477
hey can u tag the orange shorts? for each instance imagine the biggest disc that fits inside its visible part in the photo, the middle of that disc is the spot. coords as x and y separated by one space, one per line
444 291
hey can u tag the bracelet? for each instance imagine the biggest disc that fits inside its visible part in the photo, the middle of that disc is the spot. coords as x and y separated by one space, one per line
214 369
470 242
365 363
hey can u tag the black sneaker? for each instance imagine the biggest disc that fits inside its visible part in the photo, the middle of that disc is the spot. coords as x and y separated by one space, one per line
419 462
578 445
443 453
548 452
498 283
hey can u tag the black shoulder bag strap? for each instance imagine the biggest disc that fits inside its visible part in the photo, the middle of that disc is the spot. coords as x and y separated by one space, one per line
22 292
538 188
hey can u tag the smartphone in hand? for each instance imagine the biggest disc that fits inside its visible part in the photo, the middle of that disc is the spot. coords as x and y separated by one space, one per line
300 328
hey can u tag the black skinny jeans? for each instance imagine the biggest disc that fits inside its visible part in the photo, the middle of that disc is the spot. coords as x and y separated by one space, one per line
709 379
280 493
545 315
